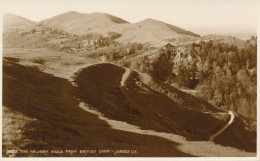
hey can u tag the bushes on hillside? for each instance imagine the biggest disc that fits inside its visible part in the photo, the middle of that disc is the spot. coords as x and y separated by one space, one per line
162 66
229 80
159 67
116 52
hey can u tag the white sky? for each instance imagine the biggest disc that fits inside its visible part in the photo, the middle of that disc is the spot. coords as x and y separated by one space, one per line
199 16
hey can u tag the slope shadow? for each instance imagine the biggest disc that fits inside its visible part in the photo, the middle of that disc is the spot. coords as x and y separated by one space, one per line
60 124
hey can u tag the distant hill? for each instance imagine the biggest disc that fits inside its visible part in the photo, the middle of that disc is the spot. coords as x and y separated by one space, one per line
11 21
225 39
150 30
81 23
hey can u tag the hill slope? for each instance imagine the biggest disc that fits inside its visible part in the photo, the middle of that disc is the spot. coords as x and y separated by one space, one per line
185 40
150 30
150 105
81 23
11 21
40 112
225 39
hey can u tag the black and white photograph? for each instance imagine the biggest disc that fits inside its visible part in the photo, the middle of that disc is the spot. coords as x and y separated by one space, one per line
165 79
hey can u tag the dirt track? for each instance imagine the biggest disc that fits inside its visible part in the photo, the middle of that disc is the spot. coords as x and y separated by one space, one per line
212 137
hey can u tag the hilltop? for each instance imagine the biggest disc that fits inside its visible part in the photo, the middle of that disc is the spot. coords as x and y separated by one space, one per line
150 30
221 39
82 23
225 39
154 32
11 21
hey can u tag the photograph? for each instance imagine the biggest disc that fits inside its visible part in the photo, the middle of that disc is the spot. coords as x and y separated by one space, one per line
140 79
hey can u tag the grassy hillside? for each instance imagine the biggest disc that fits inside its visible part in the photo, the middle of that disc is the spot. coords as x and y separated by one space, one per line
156 106
11 21
150 30
81 23
41 113
226 39
230 40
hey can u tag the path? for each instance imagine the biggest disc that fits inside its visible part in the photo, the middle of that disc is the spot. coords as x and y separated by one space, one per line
212 137
190 91
125 76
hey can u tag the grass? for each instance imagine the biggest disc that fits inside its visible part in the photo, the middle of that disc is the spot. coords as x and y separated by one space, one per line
59 64
156 106
13 123
58 122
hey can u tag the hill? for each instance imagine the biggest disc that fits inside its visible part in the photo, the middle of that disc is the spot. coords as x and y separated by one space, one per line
225 39
12 22
81 23
40 113
153 105
150 30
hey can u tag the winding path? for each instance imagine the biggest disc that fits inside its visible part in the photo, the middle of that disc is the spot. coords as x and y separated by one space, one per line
212 137
125 76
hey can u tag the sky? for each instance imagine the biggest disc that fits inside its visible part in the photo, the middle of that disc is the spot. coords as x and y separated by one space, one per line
199 16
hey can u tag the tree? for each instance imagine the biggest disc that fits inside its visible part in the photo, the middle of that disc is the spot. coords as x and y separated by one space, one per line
227 75
193 68
206 91
145 65
131 50
162 66
218 98
183 77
